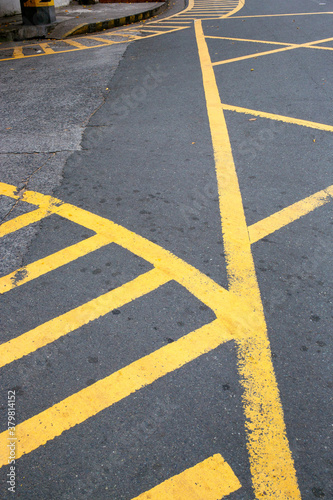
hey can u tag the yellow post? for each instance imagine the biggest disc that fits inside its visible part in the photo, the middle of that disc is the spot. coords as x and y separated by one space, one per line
36 12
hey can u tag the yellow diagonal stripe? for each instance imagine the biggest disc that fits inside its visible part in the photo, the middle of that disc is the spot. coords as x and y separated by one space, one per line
289 214
55 328
75 409
281 118
23 220
211 479
269 52
51 262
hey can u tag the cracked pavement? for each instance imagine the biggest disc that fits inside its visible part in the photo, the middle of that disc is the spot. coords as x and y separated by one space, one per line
45 111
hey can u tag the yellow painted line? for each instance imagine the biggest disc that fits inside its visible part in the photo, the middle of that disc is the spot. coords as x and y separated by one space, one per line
321 48
175 26
211 479
18 53
147 29
51 262
99 39
46 48
217 298
289 214
248 40
266 41
237 8
77 46
284 15
173 17
77 408
281 118
22 221
268 52
74 43
239 263
118 34
272 467
72 320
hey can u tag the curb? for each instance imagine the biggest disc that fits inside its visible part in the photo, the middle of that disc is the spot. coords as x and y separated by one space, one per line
83 29
50 31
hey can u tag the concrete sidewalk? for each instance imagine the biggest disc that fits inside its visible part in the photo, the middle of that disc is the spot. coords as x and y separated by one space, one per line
76 19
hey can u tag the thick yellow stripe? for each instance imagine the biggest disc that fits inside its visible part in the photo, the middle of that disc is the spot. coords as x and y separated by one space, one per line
51 262
23 220
225 304
18 53
99 39
289 214
281 118
46 48
74 43
237 247
86 403
271 463
211 479
62 325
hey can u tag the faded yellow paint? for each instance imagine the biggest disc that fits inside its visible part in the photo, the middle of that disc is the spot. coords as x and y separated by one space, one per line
280 118
51 262
211 479
18 53
22 221
271 463
46 48
289 214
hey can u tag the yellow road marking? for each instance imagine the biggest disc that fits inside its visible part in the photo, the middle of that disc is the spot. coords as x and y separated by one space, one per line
176 27
197 283
18 52
99 39
46 48
247 40
284 15
54 261
289 214
62 325
281 118
75 409
22 221
320 48
266 42
233 313
271 463
211 479
268 52
240 265
74 43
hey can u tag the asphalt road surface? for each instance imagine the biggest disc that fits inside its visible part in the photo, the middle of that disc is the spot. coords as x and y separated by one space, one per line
166 281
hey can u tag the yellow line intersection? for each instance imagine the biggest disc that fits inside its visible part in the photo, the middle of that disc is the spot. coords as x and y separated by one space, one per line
238 309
